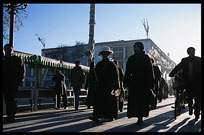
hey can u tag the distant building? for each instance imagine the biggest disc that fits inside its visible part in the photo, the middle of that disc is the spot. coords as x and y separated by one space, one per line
122 50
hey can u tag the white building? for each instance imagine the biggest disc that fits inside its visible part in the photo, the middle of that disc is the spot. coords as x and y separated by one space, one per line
122 50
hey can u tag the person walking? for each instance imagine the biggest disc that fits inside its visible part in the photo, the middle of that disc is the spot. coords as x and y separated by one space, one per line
105 102
139 78
13 76
60 88
76 79
157 90
191 67
122 91
163 86
90 85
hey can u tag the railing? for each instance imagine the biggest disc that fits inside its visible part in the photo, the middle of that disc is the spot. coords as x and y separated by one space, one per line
26 93
35 96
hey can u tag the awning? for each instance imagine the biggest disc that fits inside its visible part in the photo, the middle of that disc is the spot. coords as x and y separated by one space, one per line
32 59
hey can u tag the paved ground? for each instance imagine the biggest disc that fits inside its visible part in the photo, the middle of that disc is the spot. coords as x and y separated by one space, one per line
69 120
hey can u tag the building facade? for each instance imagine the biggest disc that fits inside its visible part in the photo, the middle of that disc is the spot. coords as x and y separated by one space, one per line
122 50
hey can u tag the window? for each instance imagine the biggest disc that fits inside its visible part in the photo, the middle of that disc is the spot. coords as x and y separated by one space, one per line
27 83
129 51
50 73
118 54
120 64
48 83
28 72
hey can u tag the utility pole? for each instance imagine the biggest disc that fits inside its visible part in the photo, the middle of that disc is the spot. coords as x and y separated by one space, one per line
90 52
12 20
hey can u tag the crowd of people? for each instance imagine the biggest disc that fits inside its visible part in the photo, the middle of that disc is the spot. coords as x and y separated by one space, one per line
106 83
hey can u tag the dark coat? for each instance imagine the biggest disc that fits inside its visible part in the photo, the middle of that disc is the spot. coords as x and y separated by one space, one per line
121 79
105 104
13 73
91 85
162 83
13 76
163 87
139 78
195 80
77 77
60 86
157 75
166 91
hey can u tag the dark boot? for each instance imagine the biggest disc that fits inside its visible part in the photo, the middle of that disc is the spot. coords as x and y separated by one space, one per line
9 120
121 106
110 119
140 121
190 110
93 119
196 117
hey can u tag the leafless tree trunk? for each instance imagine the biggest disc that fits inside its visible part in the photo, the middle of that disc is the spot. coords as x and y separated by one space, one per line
146 26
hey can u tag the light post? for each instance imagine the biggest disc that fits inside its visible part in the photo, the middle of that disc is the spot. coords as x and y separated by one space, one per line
12 9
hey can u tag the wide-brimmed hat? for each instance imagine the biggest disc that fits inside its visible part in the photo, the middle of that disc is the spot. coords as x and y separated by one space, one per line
105 49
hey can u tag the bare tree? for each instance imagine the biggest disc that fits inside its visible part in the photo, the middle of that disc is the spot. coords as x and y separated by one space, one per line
20 15
79 43
146 26
42 40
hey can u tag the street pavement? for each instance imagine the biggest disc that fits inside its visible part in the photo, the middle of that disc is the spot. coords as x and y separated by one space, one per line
160 119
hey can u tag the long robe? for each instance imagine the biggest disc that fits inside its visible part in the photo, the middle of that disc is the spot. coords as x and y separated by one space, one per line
139 78
13 75
105 104
90 85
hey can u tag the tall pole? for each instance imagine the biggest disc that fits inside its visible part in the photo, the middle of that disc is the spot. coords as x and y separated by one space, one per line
12 20
91 32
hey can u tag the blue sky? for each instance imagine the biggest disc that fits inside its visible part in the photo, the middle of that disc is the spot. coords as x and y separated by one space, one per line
173 27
